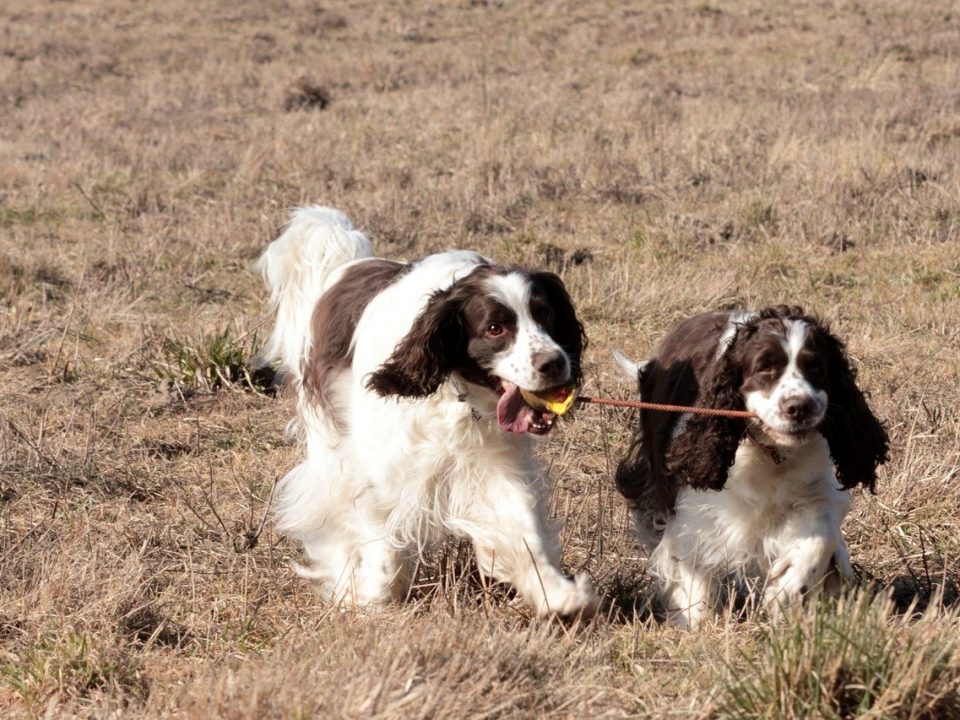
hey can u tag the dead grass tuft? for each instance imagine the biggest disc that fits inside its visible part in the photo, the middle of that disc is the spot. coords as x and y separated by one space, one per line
849 659
305 94
401 669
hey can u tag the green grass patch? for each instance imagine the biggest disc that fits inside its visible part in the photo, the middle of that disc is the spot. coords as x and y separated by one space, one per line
847 659
73 664
210 362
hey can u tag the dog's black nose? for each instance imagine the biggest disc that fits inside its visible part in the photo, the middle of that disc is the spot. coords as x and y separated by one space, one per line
797 408
551 364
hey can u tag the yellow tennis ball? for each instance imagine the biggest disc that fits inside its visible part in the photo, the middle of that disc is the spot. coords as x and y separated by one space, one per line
556 400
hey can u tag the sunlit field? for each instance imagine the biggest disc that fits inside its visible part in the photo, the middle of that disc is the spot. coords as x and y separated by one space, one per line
665 158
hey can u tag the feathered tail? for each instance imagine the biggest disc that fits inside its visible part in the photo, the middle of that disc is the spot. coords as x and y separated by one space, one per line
297 268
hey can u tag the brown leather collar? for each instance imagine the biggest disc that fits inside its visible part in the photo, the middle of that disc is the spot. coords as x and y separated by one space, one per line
772 450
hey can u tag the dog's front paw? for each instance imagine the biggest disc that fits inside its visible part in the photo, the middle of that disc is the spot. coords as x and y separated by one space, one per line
786 585
574 598
685 609
585 600
815 565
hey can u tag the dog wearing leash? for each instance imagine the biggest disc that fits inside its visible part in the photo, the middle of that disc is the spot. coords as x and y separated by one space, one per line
715 497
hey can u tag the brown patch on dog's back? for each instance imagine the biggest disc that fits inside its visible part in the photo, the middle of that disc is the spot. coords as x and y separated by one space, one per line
335 319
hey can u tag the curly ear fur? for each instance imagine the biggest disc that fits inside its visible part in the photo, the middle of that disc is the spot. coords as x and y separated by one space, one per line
857 439
427 355
642 476
701 455
568 330
633 472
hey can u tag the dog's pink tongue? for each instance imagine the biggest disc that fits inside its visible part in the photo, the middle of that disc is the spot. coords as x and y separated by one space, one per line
513 414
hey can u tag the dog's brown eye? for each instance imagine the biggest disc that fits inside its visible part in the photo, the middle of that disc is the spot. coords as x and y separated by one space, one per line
764 365
494 329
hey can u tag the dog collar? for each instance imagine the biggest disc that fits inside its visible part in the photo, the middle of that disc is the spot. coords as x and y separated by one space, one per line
464 397
772 450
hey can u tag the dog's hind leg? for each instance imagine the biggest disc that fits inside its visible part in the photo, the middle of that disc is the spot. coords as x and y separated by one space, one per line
348 552
354 563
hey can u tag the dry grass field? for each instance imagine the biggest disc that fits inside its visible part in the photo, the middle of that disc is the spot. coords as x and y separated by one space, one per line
665 158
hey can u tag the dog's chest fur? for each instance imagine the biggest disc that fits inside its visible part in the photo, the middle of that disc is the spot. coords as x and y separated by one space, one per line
743 524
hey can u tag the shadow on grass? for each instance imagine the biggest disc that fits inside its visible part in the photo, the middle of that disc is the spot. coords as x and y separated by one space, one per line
917 595
630 599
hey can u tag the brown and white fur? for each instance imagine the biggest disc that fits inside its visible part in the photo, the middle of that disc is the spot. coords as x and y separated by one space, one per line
407 379
715 498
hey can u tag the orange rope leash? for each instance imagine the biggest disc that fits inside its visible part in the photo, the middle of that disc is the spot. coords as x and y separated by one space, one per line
640 405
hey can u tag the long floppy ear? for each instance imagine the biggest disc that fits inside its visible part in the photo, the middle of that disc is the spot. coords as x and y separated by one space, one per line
633 471
701 455
857 439
428 353
567 329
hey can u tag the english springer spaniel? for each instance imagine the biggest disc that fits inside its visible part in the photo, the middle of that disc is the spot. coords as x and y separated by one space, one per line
714 497
408 379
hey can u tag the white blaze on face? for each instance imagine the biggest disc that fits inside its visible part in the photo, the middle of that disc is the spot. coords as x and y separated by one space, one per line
516 364
792 384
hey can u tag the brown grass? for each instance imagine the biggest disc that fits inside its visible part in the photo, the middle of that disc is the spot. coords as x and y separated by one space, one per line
667 159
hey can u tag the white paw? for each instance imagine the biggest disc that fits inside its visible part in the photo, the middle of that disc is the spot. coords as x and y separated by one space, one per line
689 619
815 564
683 613
840 575
575 597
